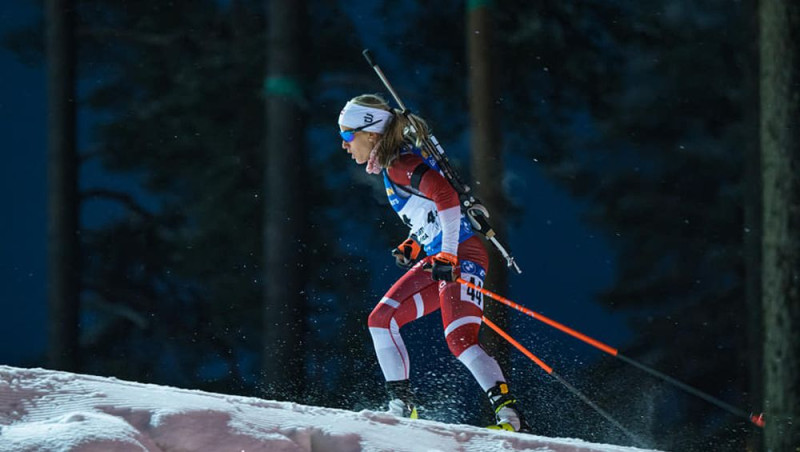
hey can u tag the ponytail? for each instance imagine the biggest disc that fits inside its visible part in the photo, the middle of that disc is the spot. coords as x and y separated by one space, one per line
403 130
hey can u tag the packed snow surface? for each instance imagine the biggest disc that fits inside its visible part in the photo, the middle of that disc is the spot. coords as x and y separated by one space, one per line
43 410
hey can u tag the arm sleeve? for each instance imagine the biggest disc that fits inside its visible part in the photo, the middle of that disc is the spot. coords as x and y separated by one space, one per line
436 188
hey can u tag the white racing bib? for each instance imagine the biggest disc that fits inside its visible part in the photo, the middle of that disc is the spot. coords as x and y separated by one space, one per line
420 214
475 274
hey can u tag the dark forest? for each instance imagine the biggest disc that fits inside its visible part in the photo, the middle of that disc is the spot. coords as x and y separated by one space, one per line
245 250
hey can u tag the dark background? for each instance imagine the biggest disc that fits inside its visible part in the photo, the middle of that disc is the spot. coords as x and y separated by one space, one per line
624 131
24 189
552 214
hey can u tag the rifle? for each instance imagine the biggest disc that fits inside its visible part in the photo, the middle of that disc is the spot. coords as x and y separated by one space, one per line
476 212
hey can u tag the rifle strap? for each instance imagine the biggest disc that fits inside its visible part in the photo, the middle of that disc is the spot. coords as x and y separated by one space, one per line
416 176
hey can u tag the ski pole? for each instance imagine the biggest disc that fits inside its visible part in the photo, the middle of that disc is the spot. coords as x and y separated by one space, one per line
566 384
476 212
756 419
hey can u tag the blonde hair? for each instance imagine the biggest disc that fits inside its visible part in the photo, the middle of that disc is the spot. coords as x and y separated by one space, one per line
410 129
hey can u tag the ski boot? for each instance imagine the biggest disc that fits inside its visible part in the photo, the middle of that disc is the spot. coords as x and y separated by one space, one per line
402 402
506 412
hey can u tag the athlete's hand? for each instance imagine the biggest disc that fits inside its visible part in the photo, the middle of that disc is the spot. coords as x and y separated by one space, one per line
443 267
407 253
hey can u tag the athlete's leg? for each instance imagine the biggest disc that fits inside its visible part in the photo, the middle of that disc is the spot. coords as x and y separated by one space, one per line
414 295
462 309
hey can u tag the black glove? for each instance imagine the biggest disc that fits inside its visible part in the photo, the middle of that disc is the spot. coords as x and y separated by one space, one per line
407 253
443 267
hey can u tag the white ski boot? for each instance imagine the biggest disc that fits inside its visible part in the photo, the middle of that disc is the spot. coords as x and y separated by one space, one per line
402 401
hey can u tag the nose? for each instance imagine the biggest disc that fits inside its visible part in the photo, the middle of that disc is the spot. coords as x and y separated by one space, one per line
345 145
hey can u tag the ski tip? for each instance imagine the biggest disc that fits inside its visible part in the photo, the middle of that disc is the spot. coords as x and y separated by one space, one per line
758 419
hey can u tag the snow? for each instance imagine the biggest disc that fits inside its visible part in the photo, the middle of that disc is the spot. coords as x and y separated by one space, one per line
43 410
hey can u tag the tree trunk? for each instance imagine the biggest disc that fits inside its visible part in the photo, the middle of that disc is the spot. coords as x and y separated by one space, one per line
284 208
487 162
752 233
780 159
63 289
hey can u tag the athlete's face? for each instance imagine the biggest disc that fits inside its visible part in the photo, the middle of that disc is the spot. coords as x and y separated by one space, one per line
360 146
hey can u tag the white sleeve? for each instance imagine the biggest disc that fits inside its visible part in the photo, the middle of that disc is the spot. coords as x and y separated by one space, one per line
450 220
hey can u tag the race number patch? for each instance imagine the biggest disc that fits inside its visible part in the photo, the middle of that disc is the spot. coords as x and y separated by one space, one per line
475 274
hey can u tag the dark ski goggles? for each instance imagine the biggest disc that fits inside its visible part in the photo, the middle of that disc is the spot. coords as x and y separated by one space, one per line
350 135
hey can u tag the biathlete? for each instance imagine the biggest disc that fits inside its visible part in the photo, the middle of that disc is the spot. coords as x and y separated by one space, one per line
379 137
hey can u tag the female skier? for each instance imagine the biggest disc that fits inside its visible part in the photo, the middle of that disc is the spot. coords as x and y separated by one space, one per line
386 141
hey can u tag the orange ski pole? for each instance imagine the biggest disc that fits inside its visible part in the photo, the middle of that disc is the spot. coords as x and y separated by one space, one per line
571 388
756 419
593 342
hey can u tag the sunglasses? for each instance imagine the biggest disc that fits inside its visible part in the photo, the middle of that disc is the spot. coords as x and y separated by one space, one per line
350 135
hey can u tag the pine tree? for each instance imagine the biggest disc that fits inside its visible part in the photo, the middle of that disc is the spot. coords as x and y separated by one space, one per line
284 210
63 202
487 162
780 163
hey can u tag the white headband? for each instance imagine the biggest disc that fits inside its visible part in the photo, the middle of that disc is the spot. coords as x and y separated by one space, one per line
355 116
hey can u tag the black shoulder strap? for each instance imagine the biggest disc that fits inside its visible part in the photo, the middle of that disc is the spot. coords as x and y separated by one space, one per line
407 190
416 176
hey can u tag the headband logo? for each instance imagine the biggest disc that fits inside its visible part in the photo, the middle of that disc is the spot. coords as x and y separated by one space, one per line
368 118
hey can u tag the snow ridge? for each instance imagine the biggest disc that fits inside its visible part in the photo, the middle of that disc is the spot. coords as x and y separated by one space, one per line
43 410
